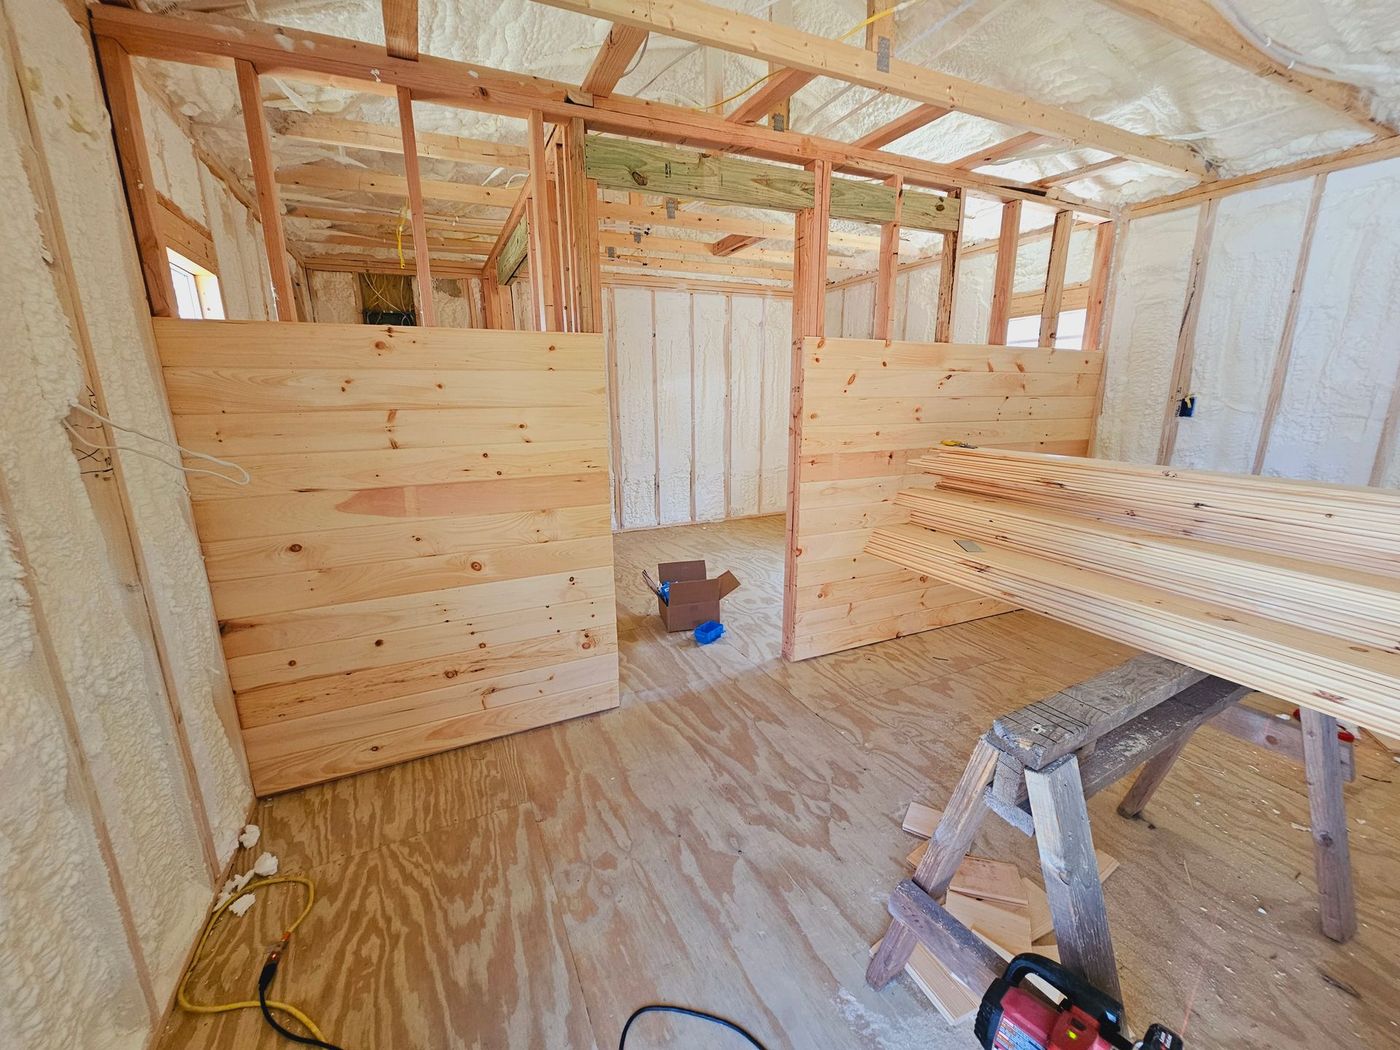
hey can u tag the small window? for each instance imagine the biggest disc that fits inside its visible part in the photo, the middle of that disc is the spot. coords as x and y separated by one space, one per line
1023 331
197 295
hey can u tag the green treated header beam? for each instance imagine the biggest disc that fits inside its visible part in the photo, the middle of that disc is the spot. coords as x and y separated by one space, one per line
513 252
641 167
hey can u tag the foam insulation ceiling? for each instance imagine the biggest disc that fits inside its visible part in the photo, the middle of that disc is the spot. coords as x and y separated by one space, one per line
1081 55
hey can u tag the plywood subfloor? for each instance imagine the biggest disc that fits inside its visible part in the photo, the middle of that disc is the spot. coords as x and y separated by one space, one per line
727 837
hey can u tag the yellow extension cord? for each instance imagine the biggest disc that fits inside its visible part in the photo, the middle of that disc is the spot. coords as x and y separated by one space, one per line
248 1004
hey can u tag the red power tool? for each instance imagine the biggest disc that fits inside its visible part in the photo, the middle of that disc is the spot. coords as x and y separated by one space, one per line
1015 1018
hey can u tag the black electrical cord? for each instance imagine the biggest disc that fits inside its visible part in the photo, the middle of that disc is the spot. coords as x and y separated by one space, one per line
684 1011
269 971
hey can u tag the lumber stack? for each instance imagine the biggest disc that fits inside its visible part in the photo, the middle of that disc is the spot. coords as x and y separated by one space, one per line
1291 588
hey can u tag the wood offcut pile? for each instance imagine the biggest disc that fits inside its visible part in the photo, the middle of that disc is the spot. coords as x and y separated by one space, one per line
1291 588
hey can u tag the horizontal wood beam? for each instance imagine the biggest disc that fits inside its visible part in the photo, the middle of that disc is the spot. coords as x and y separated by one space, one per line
357 240
390 219
362 180
627 165
624 278
678 218
918 117
741 34
353 262
717 268
613 58
770 95
701 250
1200 24
381 138
1001 151
358 66
1367 153
1082 172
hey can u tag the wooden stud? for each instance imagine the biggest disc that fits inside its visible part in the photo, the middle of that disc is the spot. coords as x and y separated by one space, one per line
808 319
1278 375
269 206
1099 272
422 266
125 106
1327 807
619 48
948 278
543 265
1186 336
581 194
889 264
1003 281
1071 872
770 100
491 301
1055 278
742 34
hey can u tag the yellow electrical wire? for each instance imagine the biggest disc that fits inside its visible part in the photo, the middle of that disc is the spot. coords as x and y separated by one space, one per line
183 998
403 217
848 33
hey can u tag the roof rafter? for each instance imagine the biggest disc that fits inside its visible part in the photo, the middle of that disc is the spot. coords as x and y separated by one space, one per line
741 34
1198 23
381 138
611 62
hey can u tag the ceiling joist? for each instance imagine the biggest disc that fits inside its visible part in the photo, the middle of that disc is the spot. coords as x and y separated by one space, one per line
1199 24
613 58
741 34
918 117
362 180
381 138
320 59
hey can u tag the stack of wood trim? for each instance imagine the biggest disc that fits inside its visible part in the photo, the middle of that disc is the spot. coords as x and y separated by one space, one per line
868 408
1264 589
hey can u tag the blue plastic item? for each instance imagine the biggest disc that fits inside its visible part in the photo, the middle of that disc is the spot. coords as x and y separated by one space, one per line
665 592
709 631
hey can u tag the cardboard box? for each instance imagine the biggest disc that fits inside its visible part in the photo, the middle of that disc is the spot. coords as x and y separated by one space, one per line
693 599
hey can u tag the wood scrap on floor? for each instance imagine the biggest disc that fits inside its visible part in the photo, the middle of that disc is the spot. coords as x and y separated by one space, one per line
921 820
953 999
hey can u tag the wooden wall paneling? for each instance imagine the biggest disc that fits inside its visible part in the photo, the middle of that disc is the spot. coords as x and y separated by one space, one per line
269 204
1186 338
811 229
1100 270
421 265
1002 290
868 408
420 593
124 103
1055 278
882 326
948 275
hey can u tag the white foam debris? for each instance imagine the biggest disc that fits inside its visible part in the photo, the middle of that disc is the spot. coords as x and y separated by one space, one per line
241 906
265 865
248 837
239 881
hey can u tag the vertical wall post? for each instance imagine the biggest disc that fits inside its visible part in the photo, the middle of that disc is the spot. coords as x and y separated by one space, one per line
582 234
543 266
269 204
1055 278
809 269
130 136
948 275
1003 283
889 265
1186 338
421 264
1098 285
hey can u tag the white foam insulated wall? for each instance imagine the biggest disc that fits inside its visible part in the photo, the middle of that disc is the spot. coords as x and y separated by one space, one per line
701 395
76 624
1336 418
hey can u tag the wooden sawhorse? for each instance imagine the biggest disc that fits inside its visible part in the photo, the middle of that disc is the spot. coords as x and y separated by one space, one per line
1037 768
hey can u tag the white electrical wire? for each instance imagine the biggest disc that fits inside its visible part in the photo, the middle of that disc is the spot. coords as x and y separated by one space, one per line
72 430
1344 72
